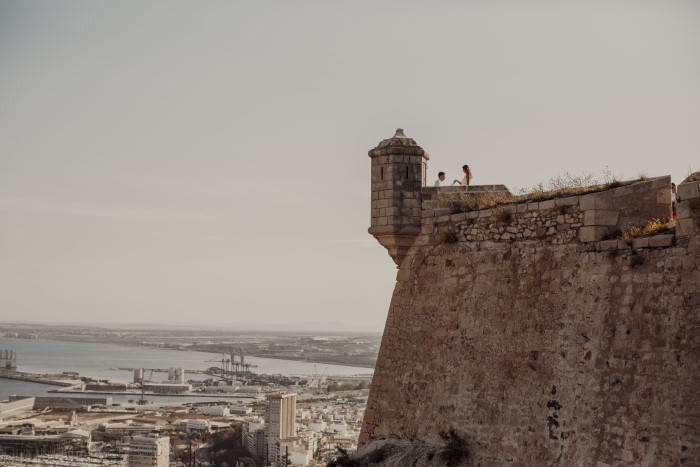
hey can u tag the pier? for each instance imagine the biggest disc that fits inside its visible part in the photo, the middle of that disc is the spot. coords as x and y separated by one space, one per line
54 380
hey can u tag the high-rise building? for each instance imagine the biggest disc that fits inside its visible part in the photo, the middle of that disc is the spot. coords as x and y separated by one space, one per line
149 451
280 422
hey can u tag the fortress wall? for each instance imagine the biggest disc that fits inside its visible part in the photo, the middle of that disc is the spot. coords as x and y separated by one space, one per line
555 348
589 217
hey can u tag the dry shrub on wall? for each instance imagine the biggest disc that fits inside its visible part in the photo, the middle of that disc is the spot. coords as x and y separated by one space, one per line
692 176
564 185
464 201
653 227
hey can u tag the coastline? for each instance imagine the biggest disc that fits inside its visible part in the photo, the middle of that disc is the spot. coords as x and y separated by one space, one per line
131 344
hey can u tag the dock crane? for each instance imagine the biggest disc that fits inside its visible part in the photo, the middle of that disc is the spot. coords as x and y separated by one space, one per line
230 364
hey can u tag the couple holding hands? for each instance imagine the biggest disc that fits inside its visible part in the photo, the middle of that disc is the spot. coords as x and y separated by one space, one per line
466 181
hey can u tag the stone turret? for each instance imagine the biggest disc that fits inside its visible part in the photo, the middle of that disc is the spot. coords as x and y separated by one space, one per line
399 168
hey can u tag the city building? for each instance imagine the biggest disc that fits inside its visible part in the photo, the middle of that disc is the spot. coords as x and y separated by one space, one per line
280 422
295 451
254 437
148 451
26 441
216 410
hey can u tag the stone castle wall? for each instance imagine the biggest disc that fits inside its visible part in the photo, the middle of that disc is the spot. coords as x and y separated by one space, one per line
541 342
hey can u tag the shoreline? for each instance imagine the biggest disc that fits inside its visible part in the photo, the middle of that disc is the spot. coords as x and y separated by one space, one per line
137 394
95 340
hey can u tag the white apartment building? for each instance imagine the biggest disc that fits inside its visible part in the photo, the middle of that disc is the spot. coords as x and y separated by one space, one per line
196 426
149 451
254 437
300 451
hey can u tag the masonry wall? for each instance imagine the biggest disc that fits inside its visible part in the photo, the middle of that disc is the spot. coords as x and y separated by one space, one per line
541 342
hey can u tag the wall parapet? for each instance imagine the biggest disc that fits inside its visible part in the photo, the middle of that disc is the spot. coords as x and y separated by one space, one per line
585 218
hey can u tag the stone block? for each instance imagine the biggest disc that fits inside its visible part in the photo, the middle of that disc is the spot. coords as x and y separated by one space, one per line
533 206
685 227
686 191
622 191
592 233
664 196
623 244
408 211
570 201
660 182
485 213
683 210
549 204
640 242
608 245
661 241
522 207
602 200
600 217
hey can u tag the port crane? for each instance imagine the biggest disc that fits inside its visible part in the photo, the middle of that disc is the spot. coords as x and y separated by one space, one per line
229 364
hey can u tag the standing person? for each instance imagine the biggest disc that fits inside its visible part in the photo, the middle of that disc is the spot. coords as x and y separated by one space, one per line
673 199
467 180
441 179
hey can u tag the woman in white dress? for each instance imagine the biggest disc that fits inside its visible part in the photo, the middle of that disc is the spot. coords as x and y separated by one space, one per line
467 180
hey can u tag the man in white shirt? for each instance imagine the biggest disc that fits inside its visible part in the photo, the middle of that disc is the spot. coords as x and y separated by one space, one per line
440 180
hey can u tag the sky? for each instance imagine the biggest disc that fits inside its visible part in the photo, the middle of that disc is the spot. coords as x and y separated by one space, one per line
205 163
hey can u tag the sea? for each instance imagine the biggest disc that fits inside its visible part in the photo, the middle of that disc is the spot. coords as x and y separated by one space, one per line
102 360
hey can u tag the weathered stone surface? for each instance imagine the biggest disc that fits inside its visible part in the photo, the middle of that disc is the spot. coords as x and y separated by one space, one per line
661 241
608 245
602 200
600 217
511 334
640 242
592 233
690 190
686 227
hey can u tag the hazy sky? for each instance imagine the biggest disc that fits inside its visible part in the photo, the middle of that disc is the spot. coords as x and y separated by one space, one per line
206 162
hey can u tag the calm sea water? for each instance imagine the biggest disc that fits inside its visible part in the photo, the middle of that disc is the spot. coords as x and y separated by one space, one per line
96 360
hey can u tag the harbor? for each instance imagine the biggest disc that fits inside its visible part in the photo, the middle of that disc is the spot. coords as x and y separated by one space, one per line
166 375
